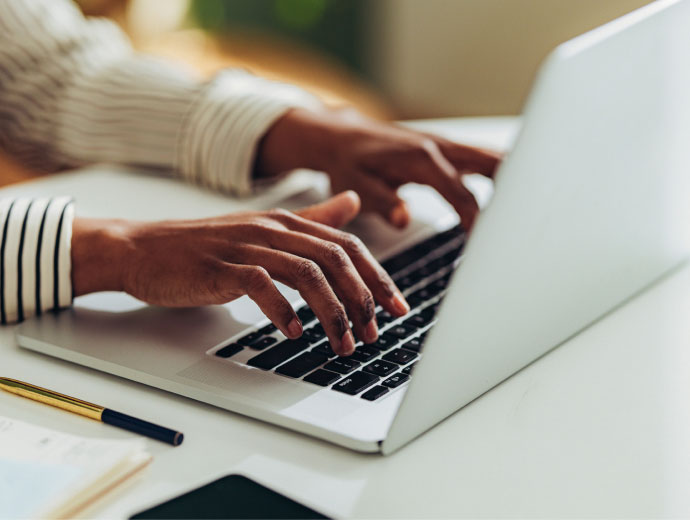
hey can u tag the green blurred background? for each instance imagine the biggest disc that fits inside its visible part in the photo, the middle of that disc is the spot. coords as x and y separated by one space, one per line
335 27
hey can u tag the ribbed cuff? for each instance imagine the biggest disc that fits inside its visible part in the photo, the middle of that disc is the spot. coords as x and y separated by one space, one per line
35 256
235 110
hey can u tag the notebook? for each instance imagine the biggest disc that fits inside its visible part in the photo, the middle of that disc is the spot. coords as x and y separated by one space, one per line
49 474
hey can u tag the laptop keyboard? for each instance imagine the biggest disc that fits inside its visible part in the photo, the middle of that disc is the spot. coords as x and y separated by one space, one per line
422 273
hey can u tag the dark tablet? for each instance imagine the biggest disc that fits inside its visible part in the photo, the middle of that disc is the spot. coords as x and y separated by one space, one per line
233 496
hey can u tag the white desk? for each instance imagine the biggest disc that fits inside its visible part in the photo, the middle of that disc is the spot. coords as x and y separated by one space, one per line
600 427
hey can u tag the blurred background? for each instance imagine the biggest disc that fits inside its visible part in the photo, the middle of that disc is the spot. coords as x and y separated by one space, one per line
393 59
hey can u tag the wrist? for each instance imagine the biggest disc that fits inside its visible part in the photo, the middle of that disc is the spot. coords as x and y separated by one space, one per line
99 251
299 139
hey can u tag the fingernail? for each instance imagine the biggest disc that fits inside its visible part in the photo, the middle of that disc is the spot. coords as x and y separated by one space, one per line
294 329
398 216
347 343
400 304
371 332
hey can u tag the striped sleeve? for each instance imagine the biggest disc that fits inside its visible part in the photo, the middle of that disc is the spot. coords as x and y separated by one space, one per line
35 264
72 92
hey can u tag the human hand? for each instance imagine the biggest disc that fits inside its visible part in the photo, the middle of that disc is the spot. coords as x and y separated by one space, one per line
375 159
216 260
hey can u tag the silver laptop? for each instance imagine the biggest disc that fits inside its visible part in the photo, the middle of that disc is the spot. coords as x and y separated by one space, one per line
591 206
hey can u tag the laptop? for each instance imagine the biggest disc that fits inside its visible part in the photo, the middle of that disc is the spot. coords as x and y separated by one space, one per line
591 206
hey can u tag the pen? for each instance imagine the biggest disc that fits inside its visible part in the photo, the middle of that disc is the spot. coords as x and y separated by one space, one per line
92 411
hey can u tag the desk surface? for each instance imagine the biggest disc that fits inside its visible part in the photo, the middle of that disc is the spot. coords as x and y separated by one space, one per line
599 427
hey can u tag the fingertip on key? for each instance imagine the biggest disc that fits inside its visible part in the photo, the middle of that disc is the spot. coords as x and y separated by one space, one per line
294 329
400 304
399 216
347 343
371 332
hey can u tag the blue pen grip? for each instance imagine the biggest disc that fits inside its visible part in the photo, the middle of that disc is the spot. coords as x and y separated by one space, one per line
145 428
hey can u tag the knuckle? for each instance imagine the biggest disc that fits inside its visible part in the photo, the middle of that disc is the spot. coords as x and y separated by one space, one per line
335 255
309 273
256 278
385 282
279 214
353 244
338 321
286 313
368 307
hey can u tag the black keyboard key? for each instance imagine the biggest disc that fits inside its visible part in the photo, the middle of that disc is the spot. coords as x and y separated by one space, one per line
249 338
430 312
230 350
319 328
302 364
342 365
355 383
278 354
422 249
263 343
312 335
418 320
420 296
401 261
408 369
439 263
322 377
375 393
423 272
400 356
436 287
381 368
401 331
448 235
405 282
306 315
385 342
415 345
364 354
396 380
325 348
384 317
450 256
417 275
268 329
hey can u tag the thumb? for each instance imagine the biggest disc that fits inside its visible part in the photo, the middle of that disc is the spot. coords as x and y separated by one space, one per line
335 212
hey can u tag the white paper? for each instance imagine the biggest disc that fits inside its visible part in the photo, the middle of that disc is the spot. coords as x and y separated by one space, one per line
40 467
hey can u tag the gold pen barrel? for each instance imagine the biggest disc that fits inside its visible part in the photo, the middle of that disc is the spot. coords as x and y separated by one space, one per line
71 404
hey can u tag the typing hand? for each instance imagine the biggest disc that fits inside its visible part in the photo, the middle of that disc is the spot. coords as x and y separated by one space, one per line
216 260
375 159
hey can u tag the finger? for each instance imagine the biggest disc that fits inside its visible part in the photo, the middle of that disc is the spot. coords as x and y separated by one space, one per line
462 199
258 285
336 211
374 276
379 197
441 175
307 277
341 273
470 159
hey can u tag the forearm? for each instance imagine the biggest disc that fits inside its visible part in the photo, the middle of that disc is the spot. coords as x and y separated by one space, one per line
96 100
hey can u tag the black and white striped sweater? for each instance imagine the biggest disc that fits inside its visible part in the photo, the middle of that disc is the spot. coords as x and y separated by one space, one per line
73 92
